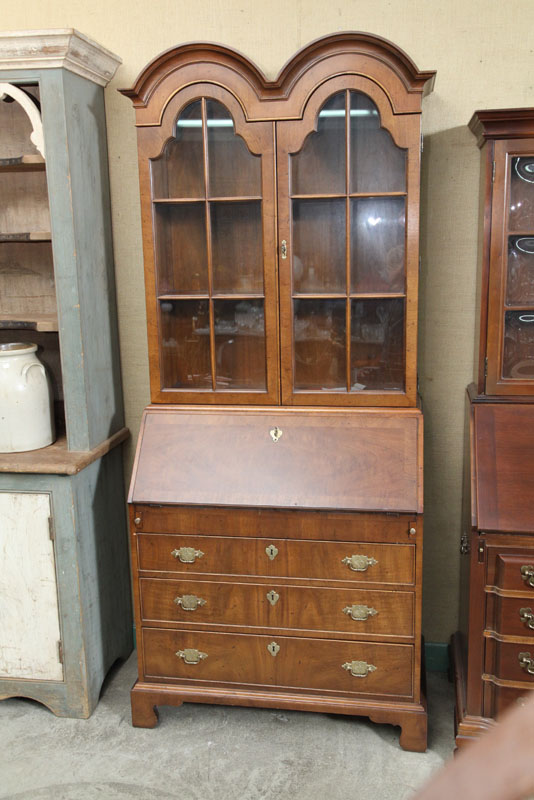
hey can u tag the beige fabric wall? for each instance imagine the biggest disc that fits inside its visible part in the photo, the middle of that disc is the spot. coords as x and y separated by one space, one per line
483 53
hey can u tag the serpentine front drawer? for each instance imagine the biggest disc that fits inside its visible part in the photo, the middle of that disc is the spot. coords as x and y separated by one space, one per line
201 603
510 616
363 562
511 570
347 667
510 661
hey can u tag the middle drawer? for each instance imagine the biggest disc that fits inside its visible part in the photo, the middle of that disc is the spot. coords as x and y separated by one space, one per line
359 611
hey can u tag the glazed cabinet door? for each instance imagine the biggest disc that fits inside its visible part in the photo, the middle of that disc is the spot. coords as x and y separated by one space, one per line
207 188
29 619
510 337
348 199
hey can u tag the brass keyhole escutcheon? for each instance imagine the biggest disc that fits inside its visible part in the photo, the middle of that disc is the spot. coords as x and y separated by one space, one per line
273 648
276 433
283 249
273 597
271 551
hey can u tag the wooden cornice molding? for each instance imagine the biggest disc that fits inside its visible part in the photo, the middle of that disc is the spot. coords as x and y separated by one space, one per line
327 47
502 123
62 47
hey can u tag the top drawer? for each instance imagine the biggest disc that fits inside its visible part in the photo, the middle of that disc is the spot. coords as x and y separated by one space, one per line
262 522
336 561
511 571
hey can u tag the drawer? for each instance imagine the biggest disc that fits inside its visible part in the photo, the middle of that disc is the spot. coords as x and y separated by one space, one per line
511 616
312 664
498 698
513 571
510 661
341 526
376 563
358 611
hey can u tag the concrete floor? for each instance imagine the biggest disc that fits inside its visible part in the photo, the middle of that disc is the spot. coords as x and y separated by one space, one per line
213 752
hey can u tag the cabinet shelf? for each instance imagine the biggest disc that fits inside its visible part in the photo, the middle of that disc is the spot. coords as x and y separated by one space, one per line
214 296
341 196
30 322
33 163
343 295
26 236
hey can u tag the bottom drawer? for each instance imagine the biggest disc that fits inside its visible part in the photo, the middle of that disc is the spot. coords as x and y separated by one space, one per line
498 698
313 664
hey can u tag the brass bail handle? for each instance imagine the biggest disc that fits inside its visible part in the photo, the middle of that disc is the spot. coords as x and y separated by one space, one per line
527 662
359 669
527 573
191 656
187 555
359 563
189 602
360 613
527 616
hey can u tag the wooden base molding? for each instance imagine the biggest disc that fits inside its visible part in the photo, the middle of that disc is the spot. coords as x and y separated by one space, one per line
410 717
467 727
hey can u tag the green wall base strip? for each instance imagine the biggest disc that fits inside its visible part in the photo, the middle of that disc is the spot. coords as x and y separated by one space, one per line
437 656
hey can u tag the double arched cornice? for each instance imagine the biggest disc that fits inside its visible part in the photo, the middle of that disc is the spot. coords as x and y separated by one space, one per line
360 53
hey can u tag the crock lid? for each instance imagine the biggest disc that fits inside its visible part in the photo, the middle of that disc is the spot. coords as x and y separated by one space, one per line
17 348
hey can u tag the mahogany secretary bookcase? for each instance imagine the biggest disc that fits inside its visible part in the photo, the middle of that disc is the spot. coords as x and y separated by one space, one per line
276 500
494 650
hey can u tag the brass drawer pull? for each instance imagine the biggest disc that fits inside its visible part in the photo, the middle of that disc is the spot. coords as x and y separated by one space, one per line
359 563
359 669
189 602
187 555
527 662
527 573
360 613
271 551
273 648
191 656
273 597
527 616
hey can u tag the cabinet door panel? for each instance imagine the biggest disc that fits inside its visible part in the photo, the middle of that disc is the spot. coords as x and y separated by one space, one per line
510 327
29 619
347 233
207 184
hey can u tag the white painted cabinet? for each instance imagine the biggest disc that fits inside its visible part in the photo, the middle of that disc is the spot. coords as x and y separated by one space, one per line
29 617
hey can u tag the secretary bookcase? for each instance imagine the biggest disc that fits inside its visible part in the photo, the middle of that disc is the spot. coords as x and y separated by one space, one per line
276 501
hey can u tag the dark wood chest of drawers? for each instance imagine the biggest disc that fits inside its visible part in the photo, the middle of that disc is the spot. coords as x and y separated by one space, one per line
494 651
314 605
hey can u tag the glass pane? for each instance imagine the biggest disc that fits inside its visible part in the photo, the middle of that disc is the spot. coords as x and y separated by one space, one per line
319 237
181 256
377 344
240 344
237 247
520 282
522 195
518 354
319 168
377 228
185 344
179 171
233 170
320 350
376 163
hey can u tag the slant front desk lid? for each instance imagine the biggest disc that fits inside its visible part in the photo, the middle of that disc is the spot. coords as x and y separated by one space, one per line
365 460
503 467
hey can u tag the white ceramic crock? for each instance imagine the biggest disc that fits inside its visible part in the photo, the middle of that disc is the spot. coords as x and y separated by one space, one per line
26 421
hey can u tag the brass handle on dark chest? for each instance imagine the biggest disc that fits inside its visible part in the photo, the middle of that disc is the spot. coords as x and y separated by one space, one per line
527 616
527 662
359 563
187 555
527 573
